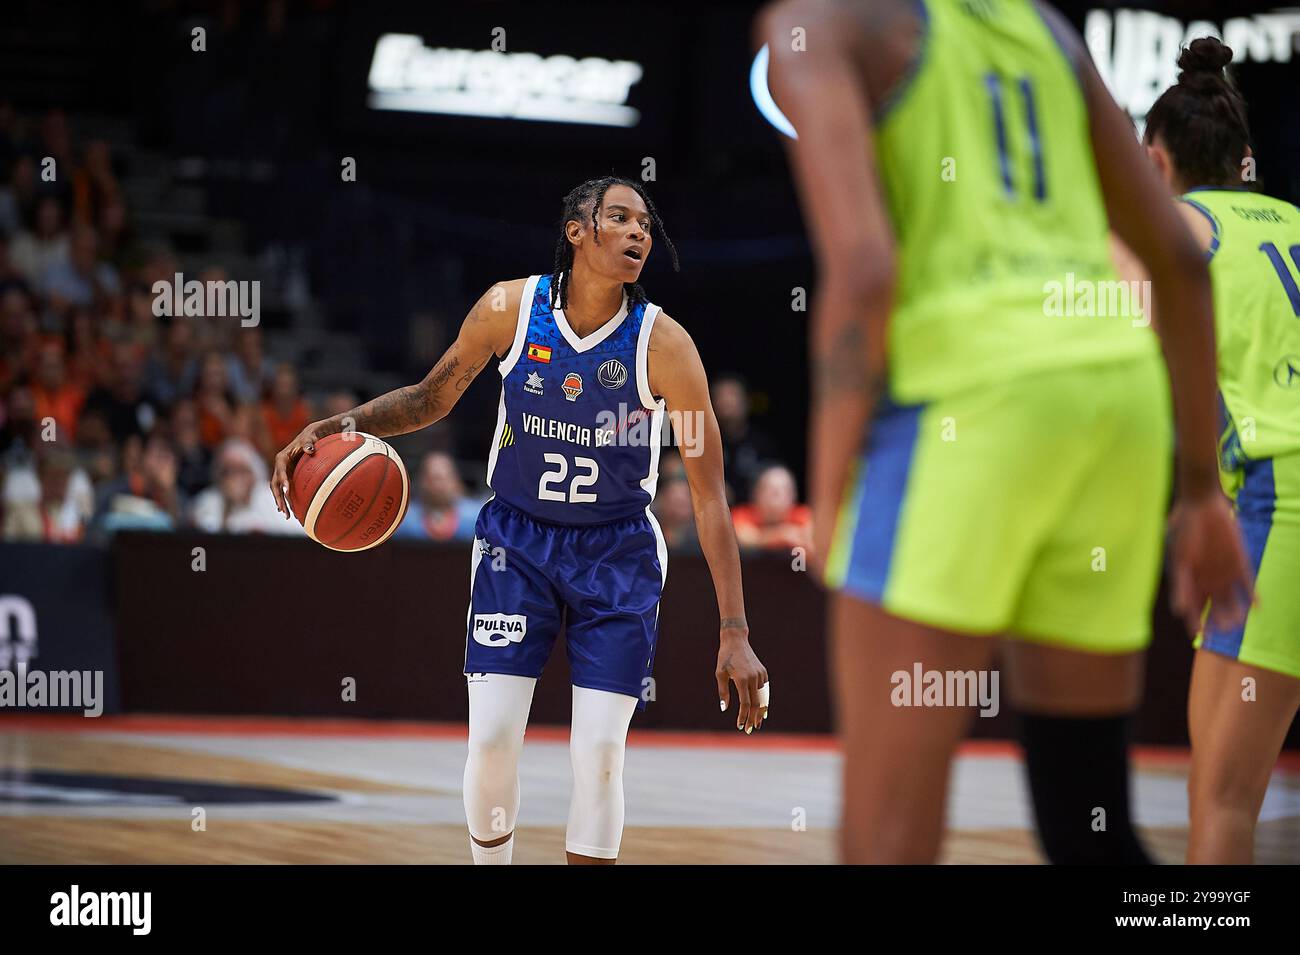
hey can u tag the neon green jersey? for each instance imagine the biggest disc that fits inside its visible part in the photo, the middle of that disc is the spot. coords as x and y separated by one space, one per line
1255 270
986 159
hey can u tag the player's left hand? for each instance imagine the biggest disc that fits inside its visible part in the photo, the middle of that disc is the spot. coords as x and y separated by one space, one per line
737 663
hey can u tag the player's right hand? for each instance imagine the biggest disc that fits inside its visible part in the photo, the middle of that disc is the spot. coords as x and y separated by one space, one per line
305 443
1208 563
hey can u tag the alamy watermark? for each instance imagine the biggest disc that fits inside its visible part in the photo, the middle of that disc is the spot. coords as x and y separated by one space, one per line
58 689
921 687
210 299
1091 299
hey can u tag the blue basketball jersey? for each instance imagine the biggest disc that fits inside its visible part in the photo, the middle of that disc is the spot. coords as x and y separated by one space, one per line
578 431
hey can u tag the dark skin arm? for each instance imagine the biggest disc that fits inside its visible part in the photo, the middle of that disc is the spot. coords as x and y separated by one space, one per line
487 330
833 165
676 372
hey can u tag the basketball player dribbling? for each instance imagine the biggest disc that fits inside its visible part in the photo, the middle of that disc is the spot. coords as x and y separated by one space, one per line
589 368
982 467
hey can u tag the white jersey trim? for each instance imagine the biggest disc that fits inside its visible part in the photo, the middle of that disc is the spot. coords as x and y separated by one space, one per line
642 359
496 435
507 364
650 482
589 342
475 556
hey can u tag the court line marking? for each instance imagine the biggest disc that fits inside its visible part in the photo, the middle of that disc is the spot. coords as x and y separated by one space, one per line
383 729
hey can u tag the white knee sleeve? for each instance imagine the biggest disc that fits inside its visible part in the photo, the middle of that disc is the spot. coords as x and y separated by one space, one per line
596 747
498 714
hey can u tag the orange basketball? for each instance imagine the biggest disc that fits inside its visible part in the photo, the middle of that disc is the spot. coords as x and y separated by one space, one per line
351 494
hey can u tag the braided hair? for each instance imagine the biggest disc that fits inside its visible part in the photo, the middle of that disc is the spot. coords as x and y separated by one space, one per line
1201 119
583 203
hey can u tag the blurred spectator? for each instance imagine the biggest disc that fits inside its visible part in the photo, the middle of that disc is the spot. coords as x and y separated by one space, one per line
216 405
55 396
250 371
439 509
18 196
676 515
284 411
37 251
19 429
172 369
81 279
246 423
744 448
94 186
9 274
57 513
114 233
134 320
239 502
83 352
120 399
145 497
336 402
773 520
18 337
193 459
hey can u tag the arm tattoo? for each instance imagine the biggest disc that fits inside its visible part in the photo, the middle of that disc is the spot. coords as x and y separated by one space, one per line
843 366
442 374
464 381
397 412
733 623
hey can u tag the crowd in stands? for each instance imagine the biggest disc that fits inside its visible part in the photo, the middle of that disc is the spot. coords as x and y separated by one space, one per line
113 417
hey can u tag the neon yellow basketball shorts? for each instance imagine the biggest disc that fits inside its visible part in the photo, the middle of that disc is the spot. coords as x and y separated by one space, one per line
1268 510
1033 507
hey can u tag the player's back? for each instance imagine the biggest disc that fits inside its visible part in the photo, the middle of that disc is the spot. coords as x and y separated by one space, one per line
1255 256
985 154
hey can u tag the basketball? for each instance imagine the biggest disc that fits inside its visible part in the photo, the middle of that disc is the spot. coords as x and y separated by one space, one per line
351 494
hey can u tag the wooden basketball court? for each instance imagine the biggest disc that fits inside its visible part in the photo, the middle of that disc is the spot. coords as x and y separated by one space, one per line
126 790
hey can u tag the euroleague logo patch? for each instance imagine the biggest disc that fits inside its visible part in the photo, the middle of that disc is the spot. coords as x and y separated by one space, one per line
572 386
612 374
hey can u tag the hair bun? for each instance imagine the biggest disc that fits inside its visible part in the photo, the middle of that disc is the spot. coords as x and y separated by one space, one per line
1204 55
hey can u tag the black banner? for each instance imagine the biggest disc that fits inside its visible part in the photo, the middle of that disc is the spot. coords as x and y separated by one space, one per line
56 630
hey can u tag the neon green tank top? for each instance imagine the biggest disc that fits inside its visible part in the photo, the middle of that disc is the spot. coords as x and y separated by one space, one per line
986 159
1255 270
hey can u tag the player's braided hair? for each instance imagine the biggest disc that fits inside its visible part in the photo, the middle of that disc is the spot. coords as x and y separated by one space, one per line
584 203
1201 119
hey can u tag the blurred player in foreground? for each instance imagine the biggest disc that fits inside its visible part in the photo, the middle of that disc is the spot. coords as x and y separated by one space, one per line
1246 679
588 370
954 158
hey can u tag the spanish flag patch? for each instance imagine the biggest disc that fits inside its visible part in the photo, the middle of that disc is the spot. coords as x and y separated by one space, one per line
540 353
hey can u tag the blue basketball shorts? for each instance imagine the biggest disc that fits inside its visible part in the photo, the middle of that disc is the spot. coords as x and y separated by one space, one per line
602 581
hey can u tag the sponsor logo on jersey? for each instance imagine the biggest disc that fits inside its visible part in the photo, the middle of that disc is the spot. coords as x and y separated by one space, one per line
540 353
499 629
1287 372
534 383
572 386
557 430
612 374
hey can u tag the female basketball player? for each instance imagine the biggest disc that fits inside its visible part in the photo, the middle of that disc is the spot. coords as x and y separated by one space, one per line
1246 678
588 370
953 157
